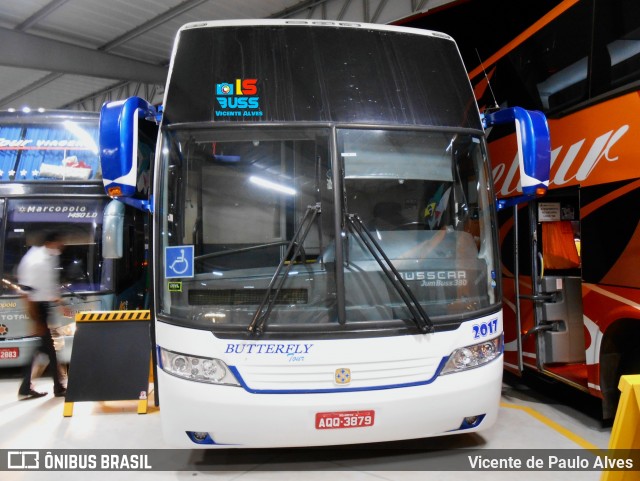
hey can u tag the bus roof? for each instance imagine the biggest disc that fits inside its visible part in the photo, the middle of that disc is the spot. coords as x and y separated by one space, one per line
313 23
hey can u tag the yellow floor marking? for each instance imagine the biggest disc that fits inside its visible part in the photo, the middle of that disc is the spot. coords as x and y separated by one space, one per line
553 425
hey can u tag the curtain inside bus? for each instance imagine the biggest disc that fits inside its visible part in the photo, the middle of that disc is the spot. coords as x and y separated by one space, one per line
62 151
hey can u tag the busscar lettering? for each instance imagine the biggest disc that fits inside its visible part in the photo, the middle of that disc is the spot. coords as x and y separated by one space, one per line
433 275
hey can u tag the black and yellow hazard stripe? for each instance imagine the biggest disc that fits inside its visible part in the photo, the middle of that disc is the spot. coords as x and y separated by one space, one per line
93 316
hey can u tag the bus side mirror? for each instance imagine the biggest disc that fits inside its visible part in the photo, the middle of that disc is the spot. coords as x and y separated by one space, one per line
119 148
113 230
534 151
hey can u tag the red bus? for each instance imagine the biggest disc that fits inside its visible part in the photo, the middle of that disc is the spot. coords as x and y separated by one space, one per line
574 314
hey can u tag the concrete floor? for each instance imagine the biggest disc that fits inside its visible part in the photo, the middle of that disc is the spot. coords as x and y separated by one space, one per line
534 415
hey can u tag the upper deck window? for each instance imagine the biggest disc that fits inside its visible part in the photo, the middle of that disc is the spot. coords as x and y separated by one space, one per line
61 151
318 73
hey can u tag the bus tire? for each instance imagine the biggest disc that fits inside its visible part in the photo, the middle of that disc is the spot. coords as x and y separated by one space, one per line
619 355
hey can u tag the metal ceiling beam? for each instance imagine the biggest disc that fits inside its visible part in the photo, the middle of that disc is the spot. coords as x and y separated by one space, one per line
376 14
297 8
151 24
343 10
370 11
93 103
38 53
30 88
40 14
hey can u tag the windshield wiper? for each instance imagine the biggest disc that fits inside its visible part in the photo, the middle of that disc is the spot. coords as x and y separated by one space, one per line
293 251
420 317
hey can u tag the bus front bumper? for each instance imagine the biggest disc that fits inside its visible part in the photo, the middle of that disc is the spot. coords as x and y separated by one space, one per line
230 417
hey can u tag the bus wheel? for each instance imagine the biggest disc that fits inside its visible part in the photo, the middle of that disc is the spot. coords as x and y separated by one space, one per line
619 356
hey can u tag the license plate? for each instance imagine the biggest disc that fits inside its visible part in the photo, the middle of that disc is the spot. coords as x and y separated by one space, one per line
345 419
9 353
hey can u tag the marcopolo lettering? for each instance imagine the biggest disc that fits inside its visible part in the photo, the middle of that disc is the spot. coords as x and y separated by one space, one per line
54 208
268 348
71 211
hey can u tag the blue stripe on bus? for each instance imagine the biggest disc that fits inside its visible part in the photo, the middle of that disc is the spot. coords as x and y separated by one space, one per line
239 378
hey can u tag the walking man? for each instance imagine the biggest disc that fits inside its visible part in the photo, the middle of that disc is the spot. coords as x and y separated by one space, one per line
39 278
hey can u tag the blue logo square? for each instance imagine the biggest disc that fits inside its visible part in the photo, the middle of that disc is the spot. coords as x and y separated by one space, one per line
224 89
178 262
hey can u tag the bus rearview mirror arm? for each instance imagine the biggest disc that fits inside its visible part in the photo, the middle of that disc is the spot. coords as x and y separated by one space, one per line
534 150
119 148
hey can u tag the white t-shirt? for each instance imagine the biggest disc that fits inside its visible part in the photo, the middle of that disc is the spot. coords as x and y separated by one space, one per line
38 269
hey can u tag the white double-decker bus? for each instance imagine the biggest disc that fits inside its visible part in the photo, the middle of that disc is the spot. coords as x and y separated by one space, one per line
325 255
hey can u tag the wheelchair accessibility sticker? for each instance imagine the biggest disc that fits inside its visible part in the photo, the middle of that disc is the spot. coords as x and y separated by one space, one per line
178 262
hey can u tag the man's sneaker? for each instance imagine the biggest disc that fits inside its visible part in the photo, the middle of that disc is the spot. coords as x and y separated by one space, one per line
31 394
60 393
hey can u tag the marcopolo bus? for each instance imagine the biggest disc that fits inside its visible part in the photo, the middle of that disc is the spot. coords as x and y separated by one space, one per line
50 179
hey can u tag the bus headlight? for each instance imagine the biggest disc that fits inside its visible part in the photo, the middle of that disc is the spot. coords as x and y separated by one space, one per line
473 356
195 368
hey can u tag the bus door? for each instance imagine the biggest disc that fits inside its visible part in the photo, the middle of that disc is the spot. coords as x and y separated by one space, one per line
557 326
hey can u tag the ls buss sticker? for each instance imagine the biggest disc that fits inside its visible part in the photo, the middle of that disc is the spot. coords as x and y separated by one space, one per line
238 99
178 262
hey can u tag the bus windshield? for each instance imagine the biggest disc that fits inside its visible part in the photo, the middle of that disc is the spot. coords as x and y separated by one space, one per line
242 198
